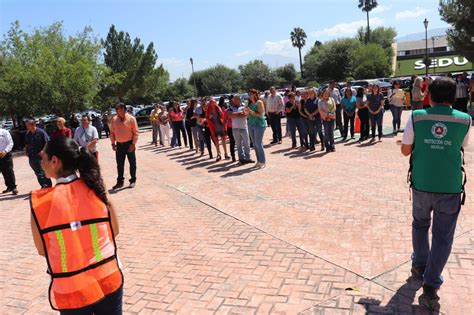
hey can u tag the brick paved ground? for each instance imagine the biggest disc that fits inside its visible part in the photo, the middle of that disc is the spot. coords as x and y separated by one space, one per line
203 237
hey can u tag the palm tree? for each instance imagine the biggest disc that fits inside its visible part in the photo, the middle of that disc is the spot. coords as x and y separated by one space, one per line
298 39
367 6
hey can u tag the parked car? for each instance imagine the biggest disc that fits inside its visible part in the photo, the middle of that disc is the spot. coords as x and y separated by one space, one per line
143 116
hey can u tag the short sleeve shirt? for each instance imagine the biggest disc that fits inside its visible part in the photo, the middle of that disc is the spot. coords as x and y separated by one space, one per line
294 113
374 101
36 141
85 135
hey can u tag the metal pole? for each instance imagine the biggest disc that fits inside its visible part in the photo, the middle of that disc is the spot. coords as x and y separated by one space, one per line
434 63
426 45
194 78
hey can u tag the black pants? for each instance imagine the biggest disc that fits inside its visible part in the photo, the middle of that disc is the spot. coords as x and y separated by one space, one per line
6 167
35 164
347 120
207 140
275 124
461 104
106 130
230 135
190 135
178 129
120 153
110 305
376 121
364 123
339 117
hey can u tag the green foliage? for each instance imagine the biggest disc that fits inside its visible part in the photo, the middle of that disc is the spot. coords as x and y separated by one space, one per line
135 65
332 60
286 74
46 72
460 14
384 36
178 90
257 75
370 61
216 80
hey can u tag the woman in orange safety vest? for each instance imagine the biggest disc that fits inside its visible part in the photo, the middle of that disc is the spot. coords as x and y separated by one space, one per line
74 227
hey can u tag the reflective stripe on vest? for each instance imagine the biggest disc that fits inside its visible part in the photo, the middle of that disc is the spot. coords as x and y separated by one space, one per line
76 231
436 161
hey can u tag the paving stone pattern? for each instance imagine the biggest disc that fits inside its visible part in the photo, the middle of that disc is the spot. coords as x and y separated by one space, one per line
311 234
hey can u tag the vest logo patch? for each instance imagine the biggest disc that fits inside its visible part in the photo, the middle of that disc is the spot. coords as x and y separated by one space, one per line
439 130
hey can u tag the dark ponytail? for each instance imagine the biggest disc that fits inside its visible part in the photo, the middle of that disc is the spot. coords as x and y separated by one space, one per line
75 158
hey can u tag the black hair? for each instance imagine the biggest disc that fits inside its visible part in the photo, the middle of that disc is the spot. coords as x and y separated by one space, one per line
120 105
360 92
442 90
222 102
75 158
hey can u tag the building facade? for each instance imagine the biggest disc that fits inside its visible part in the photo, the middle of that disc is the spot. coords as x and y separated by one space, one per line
410 56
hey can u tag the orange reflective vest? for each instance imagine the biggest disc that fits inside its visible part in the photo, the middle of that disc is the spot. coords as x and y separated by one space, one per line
79 244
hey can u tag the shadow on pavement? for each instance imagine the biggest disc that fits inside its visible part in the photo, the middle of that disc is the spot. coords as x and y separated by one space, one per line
240 172
202 164
281 151
315 155
9 196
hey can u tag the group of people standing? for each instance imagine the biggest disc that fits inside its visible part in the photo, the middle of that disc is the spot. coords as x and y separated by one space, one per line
206 123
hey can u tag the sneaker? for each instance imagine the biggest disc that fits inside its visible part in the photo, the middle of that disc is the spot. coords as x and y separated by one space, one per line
132 185
259 165
279 142
417 272
429 298
118 185
7 190
14 191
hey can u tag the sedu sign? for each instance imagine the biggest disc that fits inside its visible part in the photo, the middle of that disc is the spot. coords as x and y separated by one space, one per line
442 62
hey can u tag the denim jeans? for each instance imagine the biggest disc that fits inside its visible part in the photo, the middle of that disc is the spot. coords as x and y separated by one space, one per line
110 305
376 121
178 130
121 153
195 132
241 137
190 134
156 132
300 124
339 117
256 134
329 134
35 164
314 128
446 208
275 123
397 116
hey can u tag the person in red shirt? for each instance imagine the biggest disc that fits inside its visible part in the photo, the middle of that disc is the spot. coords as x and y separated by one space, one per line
215 121
62 130
424 89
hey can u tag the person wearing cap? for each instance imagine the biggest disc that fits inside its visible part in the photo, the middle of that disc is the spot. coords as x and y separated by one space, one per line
124 137
434 138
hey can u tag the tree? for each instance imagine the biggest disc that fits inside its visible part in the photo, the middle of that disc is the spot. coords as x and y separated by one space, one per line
370 61
367 6
460 14
216 80
129 60
178 90
46 72
257 75
298 40
384 36
332 60
286 74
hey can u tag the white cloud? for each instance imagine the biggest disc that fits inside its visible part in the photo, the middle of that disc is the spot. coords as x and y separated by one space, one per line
282 47
172 61
381 8
409 14
242 53
344 29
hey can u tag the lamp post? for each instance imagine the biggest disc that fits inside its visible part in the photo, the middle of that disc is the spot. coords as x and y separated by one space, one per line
434 63
425 23
194 79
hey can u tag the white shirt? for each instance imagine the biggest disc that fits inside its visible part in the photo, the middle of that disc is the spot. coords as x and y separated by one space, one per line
6 141
85 135
409 134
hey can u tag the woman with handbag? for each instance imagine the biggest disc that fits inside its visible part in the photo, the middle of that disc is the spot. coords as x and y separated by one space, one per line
215 120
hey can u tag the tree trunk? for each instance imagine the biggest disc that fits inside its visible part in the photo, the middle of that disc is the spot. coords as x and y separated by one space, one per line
367 38
301 63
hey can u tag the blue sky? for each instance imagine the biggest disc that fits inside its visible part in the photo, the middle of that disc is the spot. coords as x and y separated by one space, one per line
229 32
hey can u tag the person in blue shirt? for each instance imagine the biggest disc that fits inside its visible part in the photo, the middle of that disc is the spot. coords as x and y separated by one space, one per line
35 141
349 108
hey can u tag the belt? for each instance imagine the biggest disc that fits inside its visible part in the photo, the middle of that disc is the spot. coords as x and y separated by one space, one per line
124 142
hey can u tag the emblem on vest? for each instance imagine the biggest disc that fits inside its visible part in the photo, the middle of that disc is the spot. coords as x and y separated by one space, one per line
439 130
